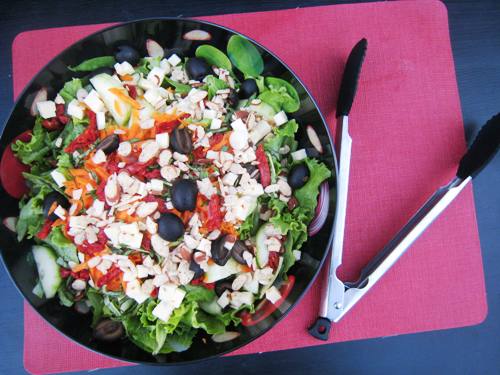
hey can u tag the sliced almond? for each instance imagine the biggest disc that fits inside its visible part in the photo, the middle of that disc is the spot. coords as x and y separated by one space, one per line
197 35
154 49
40 96
313 137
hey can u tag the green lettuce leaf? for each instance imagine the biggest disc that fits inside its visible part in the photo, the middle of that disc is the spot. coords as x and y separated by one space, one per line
96 303
280 95
31 215
307 195
213 85
36 151
62 246
68 92
72 130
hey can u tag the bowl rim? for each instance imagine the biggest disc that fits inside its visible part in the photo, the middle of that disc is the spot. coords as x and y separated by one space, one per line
334 177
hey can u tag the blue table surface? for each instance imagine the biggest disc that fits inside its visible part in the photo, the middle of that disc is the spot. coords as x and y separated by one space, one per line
475 31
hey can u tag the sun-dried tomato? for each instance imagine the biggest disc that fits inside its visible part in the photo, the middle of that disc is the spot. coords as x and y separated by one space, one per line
89 135
112 273
215 215
265 173
61 117
45 230
167 126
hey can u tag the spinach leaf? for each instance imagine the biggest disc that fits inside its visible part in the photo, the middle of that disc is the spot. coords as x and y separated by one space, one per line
213 56
213 85
94 63
180 88
245 56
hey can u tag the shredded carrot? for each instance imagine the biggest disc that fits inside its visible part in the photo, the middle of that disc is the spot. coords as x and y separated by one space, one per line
123 96
126 77
57 223
224 142
164 117
124 216
228 228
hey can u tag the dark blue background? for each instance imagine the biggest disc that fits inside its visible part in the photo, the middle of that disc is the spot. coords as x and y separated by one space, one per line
475 32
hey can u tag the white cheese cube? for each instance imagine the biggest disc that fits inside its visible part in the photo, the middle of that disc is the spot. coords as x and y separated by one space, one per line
75 109
212 155
163 311
299 154
58 142
223 300
238 125
100 120
171 294
209 114
94 102
147 123
142 271
77 194
46 109
163 140
58 177
280 118
153 96
216 123
156 186
174 60
273 294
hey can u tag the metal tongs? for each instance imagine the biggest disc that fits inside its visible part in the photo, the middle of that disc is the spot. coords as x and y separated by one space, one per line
339 297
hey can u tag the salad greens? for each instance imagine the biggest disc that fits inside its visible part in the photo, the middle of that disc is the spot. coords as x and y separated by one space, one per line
114 232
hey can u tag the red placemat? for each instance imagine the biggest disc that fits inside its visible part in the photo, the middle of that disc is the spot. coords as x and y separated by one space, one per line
408 137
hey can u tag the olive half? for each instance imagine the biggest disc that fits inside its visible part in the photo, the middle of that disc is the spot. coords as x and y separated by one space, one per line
248 88
170 227
109 144
237 251
180 141
223 285
220 253
197 69
124 52
184 193
298 176
51 201
195 267
108 330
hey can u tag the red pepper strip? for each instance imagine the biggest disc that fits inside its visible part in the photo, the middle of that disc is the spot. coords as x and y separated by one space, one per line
145 244
113 272
46 228
63 119
96 247
89 135
199 281
136 257
267 308
216 139
51 124
215 215
167 126
265 174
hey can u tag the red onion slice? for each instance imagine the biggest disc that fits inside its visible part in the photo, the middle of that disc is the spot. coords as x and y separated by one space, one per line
40 96
197 35
313 137
321 210
154 49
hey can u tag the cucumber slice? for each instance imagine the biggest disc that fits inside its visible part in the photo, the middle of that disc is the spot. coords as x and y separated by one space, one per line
211 307
216 272
48 270
261 252
119 109
275 275
263 109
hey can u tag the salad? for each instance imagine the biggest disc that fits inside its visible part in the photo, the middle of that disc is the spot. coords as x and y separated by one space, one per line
168 196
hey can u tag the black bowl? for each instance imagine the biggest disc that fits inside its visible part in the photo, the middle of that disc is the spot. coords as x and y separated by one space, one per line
16 256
